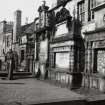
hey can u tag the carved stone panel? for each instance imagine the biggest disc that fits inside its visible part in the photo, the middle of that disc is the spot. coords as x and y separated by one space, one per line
62 15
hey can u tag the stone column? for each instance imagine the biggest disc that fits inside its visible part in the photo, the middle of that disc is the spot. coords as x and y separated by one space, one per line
89 57
92 63
71 59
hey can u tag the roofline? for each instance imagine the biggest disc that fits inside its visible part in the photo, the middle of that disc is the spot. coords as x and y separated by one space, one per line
27 24
56 7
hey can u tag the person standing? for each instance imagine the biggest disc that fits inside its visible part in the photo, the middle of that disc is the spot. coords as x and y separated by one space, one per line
10 64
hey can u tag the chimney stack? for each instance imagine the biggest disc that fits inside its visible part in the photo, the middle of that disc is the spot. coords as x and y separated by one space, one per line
17 26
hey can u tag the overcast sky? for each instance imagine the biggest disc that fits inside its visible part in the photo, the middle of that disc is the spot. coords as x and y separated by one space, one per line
28 8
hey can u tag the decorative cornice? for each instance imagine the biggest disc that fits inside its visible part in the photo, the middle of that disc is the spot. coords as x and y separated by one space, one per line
95 31
59 5
63 38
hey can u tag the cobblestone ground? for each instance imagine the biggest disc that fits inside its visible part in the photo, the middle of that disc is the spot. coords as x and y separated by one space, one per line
32 91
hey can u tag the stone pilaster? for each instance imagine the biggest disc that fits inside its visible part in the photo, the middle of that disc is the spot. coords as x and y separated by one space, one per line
72 59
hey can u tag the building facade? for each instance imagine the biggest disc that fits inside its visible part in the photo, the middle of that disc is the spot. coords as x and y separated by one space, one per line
59 46
42 41
65 43
23 43
6 33
20 39
26 47
75 42
94 45
66 48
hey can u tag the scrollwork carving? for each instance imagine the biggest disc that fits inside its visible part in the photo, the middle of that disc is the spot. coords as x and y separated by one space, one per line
62 15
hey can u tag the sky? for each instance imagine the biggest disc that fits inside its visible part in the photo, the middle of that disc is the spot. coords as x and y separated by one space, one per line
28 7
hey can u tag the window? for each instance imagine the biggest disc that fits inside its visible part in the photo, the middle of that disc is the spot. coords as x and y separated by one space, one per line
62 60
22 55
37 26
81 10
24 39
91 5
8 41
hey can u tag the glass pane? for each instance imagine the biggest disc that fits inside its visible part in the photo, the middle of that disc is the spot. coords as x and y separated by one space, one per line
62 60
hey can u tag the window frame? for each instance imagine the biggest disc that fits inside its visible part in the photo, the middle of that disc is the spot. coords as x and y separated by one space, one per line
91 5
81 11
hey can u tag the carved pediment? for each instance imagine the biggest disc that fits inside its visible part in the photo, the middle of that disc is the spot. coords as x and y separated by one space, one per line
63 15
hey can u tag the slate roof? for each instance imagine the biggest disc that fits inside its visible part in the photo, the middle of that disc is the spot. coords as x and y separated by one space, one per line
30 29
27 29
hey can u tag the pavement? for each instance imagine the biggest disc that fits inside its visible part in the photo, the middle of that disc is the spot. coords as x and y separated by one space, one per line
33 92
30 91
5 73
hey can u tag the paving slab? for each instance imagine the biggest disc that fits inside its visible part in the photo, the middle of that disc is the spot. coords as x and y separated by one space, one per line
31 92
93 96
